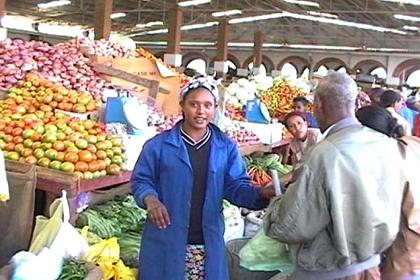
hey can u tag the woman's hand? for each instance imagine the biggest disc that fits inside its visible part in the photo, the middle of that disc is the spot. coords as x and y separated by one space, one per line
157 212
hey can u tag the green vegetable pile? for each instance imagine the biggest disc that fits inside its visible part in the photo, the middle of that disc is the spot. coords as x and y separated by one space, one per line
120 218
130 247
113 217
73 270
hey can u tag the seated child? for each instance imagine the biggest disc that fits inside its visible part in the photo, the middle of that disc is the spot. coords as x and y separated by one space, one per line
300 104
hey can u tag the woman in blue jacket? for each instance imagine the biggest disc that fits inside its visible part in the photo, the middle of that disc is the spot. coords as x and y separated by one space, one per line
181 178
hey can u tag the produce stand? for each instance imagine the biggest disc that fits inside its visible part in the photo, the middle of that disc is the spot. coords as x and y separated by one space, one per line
263 148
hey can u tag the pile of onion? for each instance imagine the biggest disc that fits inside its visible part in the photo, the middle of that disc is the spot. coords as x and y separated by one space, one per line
101 48
63 64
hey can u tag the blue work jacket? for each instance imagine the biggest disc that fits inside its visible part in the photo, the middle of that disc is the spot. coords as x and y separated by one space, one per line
163 169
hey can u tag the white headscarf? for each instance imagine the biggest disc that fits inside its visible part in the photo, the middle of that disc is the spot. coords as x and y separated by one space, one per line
208 83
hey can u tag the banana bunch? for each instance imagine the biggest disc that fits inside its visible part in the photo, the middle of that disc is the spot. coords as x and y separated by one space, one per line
106 255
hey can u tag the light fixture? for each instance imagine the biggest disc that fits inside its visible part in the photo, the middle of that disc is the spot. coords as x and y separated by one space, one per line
202 44
317 19
152 43
185 27
199 25
409 2
149 24
117 15
193 3
320 47
17 22
158 31
388 50
411 28
60 30
344 23
227 13
327 15
53 4
255 18
408 18
238 44
303 3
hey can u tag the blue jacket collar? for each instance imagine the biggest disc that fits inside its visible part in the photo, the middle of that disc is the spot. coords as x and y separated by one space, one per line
174 135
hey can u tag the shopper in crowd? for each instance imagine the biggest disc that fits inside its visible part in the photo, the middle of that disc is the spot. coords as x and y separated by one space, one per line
375 95
343 208
393 101
303 136
362 100
403 257
301 104
181 178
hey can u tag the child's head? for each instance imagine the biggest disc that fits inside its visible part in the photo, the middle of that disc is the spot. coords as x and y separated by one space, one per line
300 104
390 98
297 125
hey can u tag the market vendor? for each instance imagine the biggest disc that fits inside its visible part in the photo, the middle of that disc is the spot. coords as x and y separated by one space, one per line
181 178
343 209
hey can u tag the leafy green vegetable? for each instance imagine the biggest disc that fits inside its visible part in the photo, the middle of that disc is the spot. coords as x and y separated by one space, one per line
130 248
113 217
73 270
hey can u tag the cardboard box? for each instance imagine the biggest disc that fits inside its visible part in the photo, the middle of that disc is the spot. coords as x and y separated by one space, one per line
148 69
268 133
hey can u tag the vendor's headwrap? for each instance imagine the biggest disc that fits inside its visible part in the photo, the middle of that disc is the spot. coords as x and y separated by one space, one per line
208 83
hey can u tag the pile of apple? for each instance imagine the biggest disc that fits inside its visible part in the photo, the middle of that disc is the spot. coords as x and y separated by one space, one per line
31 132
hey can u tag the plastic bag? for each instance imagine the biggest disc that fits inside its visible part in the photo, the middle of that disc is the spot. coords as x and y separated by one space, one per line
44 266
263 253
58 234
4 186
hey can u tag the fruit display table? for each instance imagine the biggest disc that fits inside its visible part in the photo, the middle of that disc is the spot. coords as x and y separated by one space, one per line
52 182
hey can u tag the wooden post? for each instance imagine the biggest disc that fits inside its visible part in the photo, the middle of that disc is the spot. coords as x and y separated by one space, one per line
2 8
103 10
174 32
258 43
223 39
3 31
222 48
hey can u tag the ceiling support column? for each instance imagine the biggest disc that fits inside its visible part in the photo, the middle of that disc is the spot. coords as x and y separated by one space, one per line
220 65
258 45
173 54
103 10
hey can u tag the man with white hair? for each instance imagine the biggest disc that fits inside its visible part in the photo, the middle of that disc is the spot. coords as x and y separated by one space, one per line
344 206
